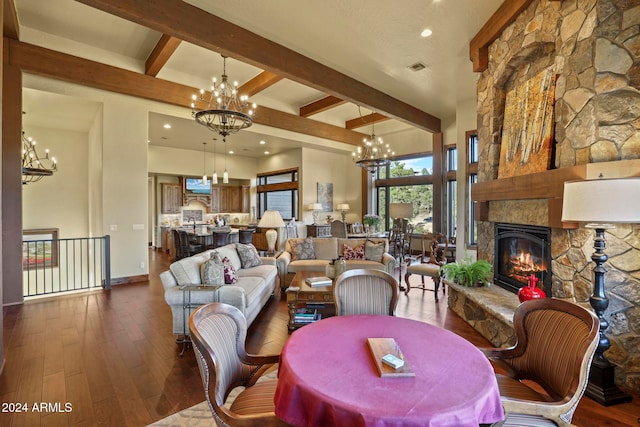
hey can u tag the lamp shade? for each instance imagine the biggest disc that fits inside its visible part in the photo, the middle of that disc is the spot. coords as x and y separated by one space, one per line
343 207
602 201
315 207
271 219
401 210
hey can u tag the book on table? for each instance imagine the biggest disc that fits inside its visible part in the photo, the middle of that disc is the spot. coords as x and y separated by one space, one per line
318 281
306 315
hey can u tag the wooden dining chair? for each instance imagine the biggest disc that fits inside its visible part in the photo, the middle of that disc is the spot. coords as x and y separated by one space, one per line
434 249
364 291
555 343
218 332
338 229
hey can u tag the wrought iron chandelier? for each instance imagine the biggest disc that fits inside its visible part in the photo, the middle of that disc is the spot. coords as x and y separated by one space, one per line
35 168
226 112
374 153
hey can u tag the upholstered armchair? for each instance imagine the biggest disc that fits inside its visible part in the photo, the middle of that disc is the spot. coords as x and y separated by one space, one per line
555 343
363 291
218 332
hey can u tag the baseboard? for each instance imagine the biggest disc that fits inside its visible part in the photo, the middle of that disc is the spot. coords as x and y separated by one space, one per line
130 279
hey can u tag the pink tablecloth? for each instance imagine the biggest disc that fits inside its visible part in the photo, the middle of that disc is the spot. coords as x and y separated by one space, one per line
327 377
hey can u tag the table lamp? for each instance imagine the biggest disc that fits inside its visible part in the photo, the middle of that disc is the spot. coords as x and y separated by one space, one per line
315 207
401 211
599 203
271 220
343 208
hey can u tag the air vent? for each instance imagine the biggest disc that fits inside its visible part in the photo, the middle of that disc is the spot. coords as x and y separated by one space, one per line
417 66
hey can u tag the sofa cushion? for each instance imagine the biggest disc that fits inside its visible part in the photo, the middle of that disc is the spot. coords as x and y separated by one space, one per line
248 255
187 270
230 252
354 253
373 251
308 265
212 270
326 248
366 264
230 273
264 271
302 249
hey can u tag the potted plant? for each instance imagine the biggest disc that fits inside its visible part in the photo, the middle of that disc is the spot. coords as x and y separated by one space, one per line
371 221
467 273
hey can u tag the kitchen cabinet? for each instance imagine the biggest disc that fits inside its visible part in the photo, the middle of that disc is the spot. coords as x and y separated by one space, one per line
171 198
231 199
246 202
215 199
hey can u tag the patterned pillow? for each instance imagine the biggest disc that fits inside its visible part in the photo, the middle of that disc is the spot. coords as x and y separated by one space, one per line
354 253
230 274
212 271
302 249
248 255
373 251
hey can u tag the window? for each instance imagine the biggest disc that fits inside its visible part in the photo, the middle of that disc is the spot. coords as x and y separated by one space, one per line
472 178
451 189
410 180
278 191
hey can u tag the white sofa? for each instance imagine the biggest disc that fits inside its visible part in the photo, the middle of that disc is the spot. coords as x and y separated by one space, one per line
249 294
327 249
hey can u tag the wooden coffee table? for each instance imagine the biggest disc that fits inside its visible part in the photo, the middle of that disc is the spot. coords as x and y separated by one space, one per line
300 295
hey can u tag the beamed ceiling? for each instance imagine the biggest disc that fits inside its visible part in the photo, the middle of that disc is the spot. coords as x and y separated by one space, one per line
319 71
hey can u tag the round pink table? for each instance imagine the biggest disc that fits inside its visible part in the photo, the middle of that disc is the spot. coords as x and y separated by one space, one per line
327 377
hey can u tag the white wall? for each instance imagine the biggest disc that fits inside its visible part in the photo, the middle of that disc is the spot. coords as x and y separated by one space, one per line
61 200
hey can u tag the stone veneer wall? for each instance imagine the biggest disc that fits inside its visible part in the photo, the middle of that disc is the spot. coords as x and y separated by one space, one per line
594 46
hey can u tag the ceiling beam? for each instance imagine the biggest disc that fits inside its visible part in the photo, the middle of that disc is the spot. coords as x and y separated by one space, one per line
61 66
259 83
364 120
160 54
10 25
320 105
184 21
501 19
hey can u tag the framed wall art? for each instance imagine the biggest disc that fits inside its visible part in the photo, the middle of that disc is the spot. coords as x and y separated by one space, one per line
325 196
527 131
40 248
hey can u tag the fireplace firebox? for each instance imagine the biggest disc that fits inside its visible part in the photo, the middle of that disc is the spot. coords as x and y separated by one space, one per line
520 251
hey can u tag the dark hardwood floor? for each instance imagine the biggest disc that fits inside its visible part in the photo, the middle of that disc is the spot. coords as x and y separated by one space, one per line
111 359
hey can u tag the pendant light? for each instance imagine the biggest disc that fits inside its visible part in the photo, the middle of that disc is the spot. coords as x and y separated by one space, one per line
225 175
214 177
204 163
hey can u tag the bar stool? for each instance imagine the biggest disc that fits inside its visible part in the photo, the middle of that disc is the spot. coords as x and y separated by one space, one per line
245 236
220 238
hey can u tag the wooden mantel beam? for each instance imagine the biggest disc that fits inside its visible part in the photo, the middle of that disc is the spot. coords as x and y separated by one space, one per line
61 66
505 15
189 23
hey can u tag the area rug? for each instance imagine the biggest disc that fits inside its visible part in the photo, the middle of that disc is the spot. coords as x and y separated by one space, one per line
200 415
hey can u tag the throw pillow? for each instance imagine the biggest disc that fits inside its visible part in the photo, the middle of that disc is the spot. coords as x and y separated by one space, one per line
248 255
212 271
373 251
302 249
230 273
355 253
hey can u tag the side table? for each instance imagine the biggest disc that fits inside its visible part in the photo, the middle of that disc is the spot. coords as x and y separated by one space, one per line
300 295
205 295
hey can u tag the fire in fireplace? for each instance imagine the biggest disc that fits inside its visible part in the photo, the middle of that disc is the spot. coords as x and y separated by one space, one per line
520 251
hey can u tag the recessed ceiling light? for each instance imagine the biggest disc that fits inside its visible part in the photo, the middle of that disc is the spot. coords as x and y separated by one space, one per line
230 151
426 32
262 142
167 126
417 66
266 152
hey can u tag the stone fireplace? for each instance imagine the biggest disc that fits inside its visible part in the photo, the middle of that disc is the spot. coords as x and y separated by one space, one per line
594 47
522 251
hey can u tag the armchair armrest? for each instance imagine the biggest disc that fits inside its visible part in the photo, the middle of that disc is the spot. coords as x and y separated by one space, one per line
283 262
389 263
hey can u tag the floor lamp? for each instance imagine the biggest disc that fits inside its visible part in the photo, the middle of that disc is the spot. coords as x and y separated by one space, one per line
271 220
599 203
